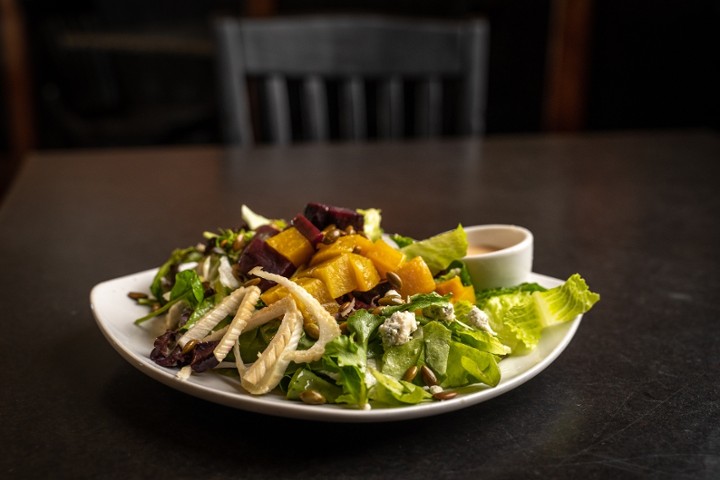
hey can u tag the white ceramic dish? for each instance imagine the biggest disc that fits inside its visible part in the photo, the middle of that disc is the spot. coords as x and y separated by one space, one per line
508 263
115 313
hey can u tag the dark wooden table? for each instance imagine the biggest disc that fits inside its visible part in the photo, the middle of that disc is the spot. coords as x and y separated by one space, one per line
634 395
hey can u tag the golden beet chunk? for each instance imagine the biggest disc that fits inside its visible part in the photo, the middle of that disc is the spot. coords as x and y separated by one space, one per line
384 257
416 277
337 273
353 243
457 289
366 275
293 245
314 287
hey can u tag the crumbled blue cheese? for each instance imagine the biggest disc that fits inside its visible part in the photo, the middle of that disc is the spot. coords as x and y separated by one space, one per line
433 389
444 313
481 320
397 328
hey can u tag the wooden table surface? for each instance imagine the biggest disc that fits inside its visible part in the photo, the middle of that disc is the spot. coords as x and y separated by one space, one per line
634 395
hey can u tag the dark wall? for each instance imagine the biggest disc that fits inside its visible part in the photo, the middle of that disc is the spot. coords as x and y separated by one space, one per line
651 65
655 64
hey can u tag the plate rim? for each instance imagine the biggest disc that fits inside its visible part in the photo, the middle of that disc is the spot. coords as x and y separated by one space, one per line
276 405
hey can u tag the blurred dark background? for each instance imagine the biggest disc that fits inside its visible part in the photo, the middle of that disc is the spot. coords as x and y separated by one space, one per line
106 73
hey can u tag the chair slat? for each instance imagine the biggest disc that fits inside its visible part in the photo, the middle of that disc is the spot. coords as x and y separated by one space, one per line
315 113
236 108
353 101
390 108
428 114
354 51
278 110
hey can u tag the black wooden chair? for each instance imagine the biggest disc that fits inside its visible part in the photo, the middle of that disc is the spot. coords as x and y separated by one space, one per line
324 78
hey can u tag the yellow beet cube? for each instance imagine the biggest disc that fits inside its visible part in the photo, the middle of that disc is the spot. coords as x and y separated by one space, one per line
346 244
384 257
337 273
416 277
457 289
314 287
366 275
293 245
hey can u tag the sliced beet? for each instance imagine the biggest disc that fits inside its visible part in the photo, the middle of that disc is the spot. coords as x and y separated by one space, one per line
322 215
306 227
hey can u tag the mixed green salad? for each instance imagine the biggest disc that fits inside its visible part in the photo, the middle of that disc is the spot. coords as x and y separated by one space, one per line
329 308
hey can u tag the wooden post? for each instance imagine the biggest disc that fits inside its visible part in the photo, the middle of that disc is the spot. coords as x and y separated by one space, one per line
565 102
17 83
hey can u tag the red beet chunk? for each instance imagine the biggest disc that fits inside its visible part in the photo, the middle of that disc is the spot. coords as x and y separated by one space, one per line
258 253
322 215
309 231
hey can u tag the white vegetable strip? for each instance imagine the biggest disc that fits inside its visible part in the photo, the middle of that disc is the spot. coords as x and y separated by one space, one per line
267 371
262 316
225 274
244 312
202 327
241 368
326 323
215 335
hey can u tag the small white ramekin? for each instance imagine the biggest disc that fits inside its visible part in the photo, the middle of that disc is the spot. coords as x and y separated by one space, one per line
508 265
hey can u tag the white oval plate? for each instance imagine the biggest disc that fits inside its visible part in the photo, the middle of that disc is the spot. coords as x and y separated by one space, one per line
115 313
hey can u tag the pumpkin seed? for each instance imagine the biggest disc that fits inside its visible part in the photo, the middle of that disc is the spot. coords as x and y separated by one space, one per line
312 330
394 280
137 295
390 300
189 346
332 235
312 397
347 307
428 376
410 373
251 282
444 395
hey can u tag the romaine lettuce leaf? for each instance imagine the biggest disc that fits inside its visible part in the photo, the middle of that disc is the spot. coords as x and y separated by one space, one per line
520 317
565 302
440 250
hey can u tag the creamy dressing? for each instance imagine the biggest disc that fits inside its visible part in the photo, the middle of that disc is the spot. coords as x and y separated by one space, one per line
480 249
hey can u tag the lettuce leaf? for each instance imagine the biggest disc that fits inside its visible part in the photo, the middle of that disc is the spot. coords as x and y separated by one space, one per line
565 302
468 365
371 222
440 250
391 391
304 379
345 359
520 317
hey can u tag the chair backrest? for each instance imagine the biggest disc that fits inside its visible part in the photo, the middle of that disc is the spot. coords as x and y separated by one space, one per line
382 77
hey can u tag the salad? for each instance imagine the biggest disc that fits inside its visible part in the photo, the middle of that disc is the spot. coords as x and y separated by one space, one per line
329 308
